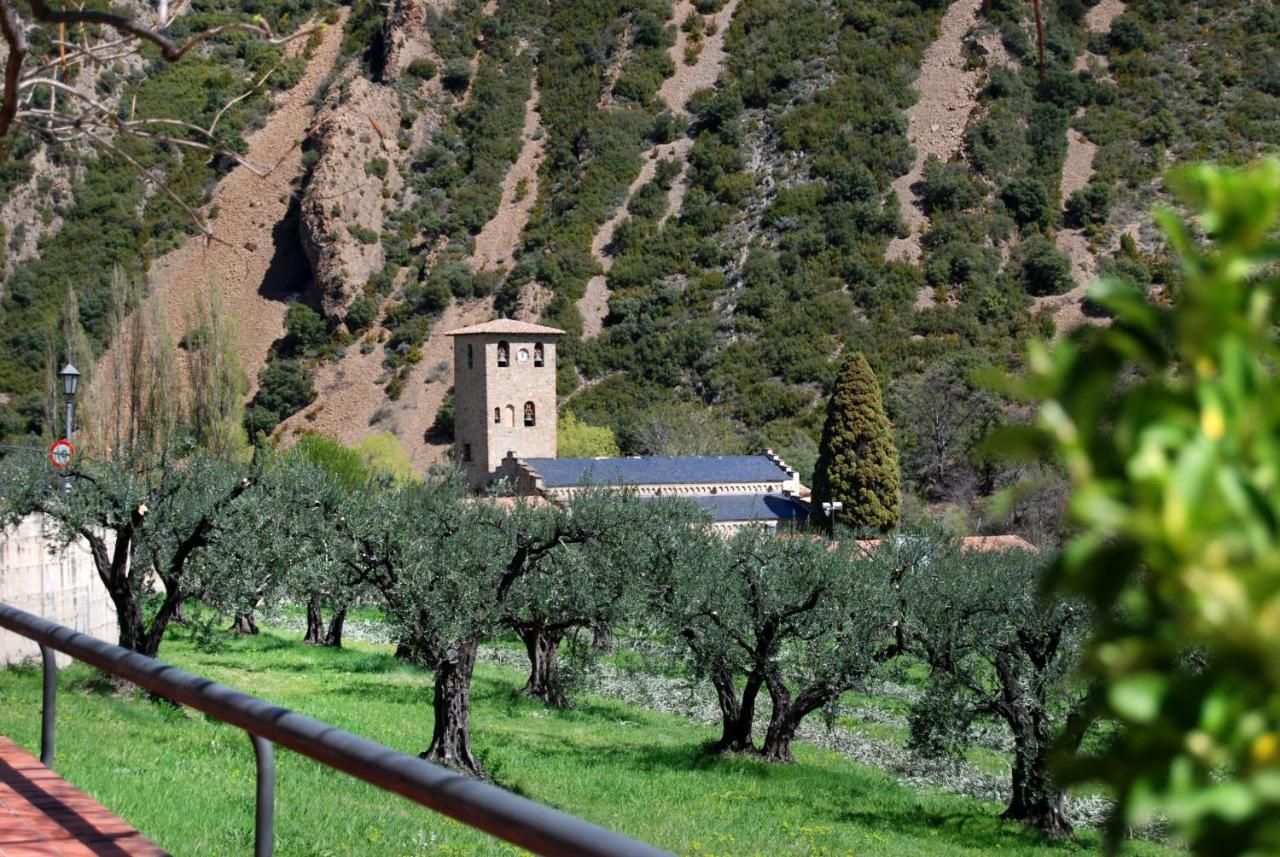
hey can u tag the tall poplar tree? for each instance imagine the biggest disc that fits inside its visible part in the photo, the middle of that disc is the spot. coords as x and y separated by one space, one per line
857 461
216 380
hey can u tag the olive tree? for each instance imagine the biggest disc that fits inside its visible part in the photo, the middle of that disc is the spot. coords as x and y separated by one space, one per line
591 584
143 525
996 649
444 567
800 618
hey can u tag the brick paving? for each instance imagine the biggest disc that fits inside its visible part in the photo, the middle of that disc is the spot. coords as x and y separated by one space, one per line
42 815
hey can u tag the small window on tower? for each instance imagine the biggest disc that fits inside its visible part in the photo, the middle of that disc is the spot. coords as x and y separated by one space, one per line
466 452
497 416
471 357
529 418
537 355
504 354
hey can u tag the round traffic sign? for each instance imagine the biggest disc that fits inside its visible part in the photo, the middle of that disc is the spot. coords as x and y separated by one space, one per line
61 453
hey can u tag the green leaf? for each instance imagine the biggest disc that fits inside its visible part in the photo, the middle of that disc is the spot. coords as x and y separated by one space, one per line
1137 698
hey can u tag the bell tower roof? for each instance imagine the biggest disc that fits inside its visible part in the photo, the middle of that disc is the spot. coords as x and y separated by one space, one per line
507 326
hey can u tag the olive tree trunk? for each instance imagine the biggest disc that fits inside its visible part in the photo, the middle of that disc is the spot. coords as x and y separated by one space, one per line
244 623
543 646
737 714
1035 799
315 622
602 637
451 734
333 636
788 714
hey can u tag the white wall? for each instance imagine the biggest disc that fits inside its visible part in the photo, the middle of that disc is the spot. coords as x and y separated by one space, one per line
60 585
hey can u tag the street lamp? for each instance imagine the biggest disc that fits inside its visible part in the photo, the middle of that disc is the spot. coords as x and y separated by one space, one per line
70 376
829 509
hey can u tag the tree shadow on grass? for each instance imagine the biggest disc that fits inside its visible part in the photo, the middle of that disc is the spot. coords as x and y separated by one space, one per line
977 828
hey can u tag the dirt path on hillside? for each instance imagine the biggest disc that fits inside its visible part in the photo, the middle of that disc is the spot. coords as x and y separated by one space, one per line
256 260
676 91
703 74
937 121
497 242
1077 172
1100 18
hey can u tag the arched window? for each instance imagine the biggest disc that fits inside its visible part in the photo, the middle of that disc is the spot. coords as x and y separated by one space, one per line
511 416
497 416
504 354
537 355
529 416
471 357
466 452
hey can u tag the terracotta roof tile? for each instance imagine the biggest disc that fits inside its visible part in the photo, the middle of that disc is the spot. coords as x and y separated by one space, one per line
507 326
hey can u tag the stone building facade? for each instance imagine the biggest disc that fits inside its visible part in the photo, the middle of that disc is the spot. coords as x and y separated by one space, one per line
504 393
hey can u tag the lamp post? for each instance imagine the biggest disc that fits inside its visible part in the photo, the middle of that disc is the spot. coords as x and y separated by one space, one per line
829 509
70 376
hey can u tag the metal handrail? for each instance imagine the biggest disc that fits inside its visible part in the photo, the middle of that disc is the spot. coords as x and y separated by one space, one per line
517 820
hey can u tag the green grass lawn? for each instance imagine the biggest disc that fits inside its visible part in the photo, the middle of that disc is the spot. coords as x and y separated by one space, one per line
187 782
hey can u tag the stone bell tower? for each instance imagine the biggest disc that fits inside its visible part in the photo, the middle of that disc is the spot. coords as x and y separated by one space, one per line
504 391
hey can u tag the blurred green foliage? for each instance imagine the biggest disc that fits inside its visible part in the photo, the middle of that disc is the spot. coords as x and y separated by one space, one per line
1167 423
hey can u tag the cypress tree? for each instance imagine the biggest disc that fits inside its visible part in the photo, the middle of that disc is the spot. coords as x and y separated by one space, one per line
857 462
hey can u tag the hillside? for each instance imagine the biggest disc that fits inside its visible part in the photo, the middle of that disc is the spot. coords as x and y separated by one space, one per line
715 198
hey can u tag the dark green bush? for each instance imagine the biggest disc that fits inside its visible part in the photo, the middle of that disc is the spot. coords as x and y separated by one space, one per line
423 69
1045 270
361 313
1090 205
1027 200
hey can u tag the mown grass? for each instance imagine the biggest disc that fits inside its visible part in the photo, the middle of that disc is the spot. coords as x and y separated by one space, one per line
187 782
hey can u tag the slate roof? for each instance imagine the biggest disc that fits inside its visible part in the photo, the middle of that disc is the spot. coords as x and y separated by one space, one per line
658 470
507 326
751 507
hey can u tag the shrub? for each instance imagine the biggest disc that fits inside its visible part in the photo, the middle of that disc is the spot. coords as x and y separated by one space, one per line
304 327
949 187
1045 270
457 75
361 313
1090 205
423 69
1027 200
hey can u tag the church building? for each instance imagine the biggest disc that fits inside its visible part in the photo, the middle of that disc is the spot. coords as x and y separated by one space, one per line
505 428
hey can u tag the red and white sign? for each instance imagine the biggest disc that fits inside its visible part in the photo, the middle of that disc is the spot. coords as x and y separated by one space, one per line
61 453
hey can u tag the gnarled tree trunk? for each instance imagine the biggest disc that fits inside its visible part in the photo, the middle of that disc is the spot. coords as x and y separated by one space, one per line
788 713
451 734
737 714
315 622
602 637
333 637
1036 801
542 646
244 624
133 627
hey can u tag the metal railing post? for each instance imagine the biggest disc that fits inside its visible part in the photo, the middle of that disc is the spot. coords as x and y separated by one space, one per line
49 708
264 817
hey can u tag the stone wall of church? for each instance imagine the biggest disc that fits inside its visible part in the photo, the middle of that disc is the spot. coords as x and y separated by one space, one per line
56 583
494 404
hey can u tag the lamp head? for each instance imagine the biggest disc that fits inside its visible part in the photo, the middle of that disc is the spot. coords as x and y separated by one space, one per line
70 376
